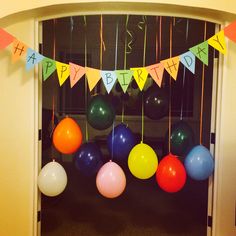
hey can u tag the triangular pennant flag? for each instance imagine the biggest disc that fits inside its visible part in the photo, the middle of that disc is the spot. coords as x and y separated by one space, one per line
124 77
188 59
140 75
19 49
218 42
63 72
93 76
5 38
156 72
76 73
109 78
49 66
230 31
171 65
32 58
201 52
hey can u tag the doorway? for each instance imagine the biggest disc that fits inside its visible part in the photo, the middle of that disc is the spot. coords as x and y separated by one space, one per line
144 209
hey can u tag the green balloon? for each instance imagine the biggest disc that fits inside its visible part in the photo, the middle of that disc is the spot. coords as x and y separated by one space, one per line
100 113
181 139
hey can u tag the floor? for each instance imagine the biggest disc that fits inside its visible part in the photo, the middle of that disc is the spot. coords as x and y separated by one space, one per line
143 209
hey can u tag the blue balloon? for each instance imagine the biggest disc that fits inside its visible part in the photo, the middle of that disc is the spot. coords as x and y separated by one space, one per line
123 141
88 159
199 163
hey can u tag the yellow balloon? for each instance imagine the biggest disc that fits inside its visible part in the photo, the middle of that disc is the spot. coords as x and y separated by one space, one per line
142 161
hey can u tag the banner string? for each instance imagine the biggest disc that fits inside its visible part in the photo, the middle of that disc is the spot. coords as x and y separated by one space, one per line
184 73
202 92
85 80
170 92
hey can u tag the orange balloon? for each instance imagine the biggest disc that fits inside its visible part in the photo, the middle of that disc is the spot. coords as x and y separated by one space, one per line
67 136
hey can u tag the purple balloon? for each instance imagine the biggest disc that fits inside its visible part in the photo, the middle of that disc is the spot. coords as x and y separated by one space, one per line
122 143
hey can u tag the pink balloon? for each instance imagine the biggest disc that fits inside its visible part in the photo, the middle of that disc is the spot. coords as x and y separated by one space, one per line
111 180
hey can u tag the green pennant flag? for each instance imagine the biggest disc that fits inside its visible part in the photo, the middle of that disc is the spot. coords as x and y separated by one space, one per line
201 52
124 77
49 66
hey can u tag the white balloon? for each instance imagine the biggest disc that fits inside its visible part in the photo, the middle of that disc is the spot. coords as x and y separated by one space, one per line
52 179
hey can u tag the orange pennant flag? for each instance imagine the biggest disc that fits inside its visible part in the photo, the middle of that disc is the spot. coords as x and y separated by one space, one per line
93 76
76 73
171 65
63 72
156 71
230 31
5 38
18 50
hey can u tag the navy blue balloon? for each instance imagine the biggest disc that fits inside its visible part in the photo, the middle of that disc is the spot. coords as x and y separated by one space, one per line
199 163
88 159
123 141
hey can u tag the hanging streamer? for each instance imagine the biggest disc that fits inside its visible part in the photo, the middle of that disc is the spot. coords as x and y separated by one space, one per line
202 92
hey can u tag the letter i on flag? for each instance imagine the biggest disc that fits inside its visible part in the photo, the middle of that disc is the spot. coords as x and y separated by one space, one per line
5 38
124 78
32 58
18 50
49 66
109 78
63 72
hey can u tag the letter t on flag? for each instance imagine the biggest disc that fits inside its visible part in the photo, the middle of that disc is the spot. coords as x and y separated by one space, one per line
156 72
5 38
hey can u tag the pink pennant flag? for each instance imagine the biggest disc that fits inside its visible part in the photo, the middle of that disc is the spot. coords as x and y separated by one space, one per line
156 72
5 38
76 73
230 31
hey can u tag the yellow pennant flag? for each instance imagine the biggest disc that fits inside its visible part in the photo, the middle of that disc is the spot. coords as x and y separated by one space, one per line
93 76
140 75
18 50
171 65
63 72
218 42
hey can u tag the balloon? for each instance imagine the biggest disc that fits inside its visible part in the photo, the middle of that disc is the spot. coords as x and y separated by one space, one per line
142 161
181 139
67 136
156 103
52 179
111 180
199 163
122 143
100 113
88 159
171 175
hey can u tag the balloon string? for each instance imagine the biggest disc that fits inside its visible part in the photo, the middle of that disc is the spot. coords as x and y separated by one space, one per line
122 112
142 119
85 81
184 74
171 35
112 140
116 49
202 92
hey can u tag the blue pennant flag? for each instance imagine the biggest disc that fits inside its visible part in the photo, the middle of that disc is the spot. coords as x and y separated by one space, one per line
109 78
188 60
32 58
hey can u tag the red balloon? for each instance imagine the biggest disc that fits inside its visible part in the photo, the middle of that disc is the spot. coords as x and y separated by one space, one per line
171 174
67 136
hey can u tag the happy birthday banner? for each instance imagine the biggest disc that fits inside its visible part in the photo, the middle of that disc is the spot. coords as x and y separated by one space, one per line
75 72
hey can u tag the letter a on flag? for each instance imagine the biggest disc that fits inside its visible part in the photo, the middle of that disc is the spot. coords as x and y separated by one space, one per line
63 72
140 75
76 73
188 60
49 66
5 38
201 52
93 76
109 78
218 42
156 71
171 65
32 58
